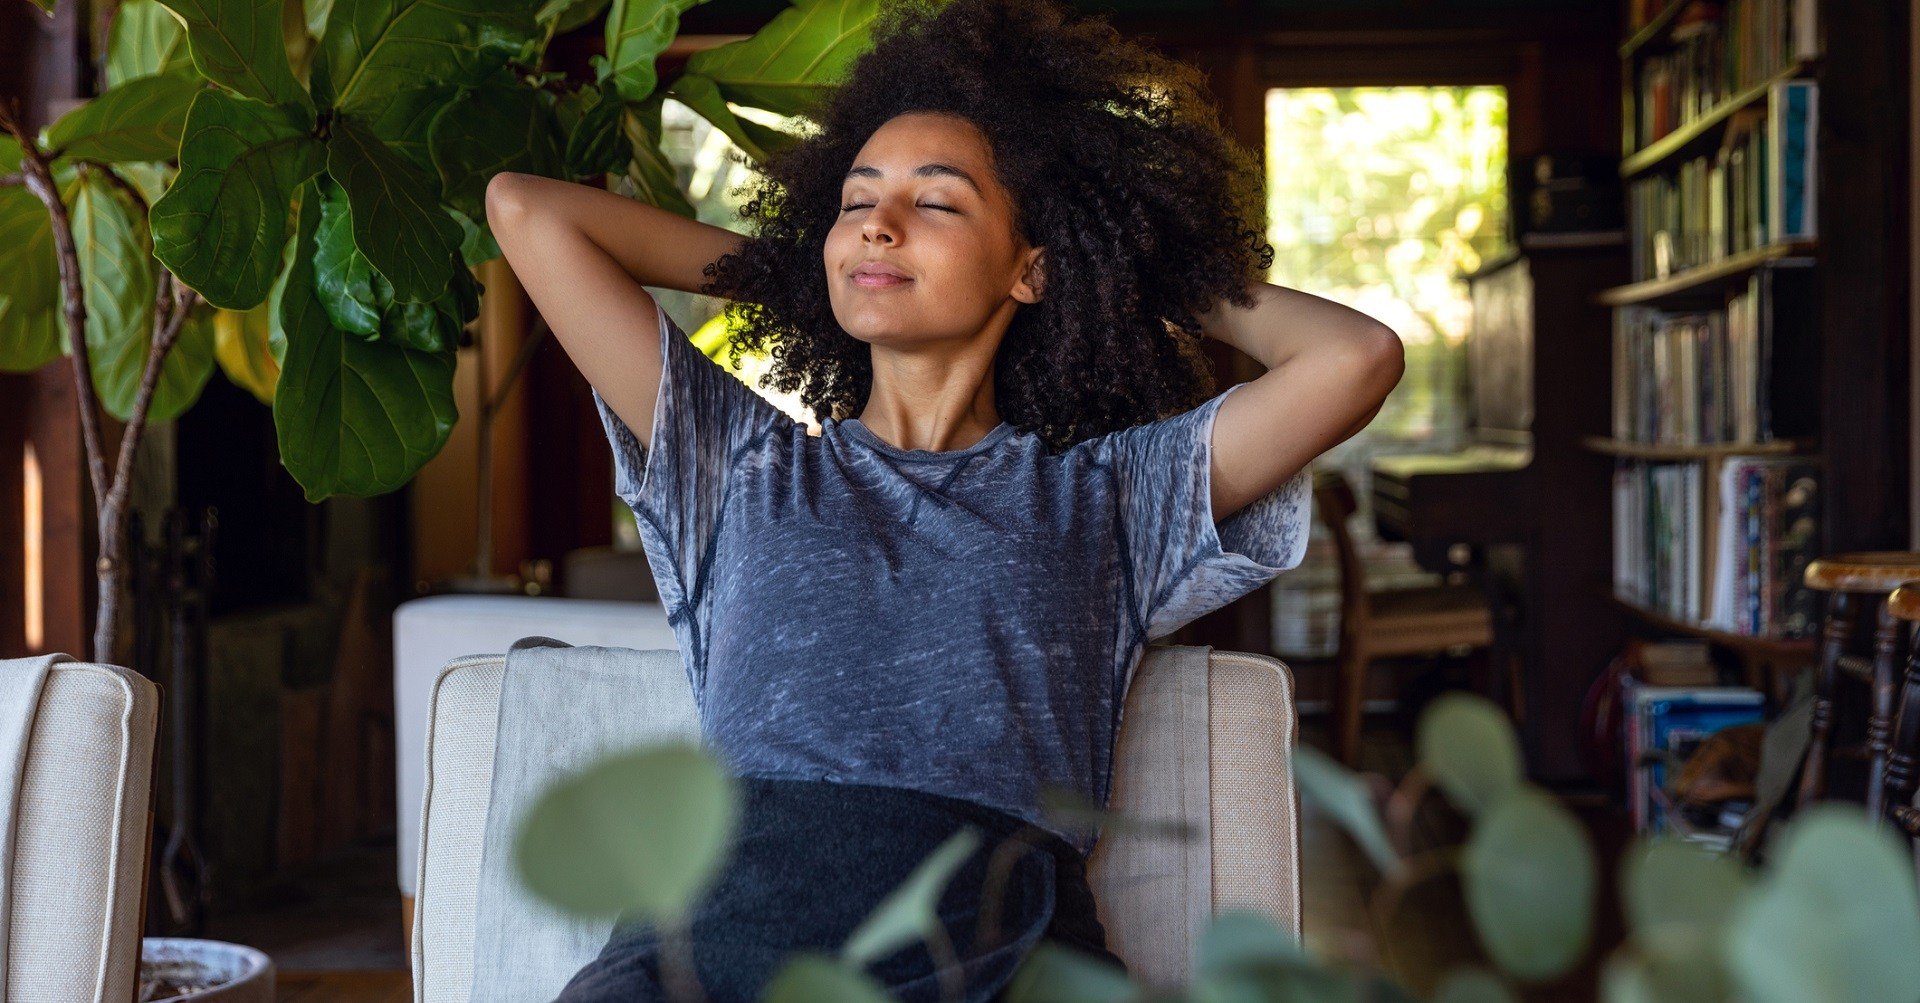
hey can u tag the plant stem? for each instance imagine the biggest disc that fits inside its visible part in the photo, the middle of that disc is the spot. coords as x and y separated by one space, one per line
173 302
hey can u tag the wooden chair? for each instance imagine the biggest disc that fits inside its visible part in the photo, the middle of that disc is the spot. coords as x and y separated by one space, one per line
1902 775
1394 622
1872 577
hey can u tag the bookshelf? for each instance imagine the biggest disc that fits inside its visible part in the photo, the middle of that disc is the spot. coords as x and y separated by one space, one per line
1715 439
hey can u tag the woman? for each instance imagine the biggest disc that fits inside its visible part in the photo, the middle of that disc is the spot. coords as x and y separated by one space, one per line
987 275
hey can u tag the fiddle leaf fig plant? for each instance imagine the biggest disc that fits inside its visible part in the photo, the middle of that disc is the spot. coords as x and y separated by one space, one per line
293 192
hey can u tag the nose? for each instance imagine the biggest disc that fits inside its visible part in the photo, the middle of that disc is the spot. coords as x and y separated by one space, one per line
878 226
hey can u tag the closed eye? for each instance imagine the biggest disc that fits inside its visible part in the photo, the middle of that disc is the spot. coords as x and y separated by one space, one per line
869 205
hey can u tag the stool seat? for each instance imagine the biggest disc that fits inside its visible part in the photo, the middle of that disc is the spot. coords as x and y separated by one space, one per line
1879 571
1905 601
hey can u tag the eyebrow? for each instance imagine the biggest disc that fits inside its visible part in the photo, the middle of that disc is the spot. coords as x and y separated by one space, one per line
923 171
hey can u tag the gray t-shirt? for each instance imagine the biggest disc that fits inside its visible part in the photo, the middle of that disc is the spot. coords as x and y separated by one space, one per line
962 622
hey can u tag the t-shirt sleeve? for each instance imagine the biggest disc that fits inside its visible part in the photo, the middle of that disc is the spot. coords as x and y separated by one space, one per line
1183 564
702 415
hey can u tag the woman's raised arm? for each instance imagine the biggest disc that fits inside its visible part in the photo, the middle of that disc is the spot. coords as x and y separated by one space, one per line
583 255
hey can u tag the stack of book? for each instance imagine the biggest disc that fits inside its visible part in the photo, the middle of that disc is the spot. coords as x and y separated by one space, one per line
1722 543
1696 377
1755 188
1665 725
1716 51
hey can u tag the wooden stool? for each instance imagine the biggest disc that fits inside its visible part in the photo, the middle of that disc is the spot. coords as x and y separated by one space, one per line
1901 775
1875 575
1384 624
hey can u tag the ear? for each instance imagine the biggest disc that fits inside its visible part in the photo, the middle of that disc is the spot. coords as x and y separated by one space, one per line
1032 276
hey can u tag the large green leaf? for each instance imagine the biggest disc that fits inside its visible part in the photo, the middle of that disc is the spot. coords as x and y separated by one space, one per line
353 417
1837 918
375 50
31 329
405 121
221 225
590 119
397 220
1472 985
814 978
343 277
116 264
145 39
644 830
1466 745
316 12
571 14
501 125
139 120
1239 938
1528 875
791 65
910 913
238 44
360 300
650 172
638 31
703 95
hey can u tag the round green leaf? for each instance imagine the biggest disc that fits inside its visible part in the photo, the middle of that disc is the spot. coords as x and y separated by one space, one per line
910 912
1668 883
1472 985
1239 939
1836 918
645 830
1346 799
1528 875
1466 745
1056 974
501 125
813 978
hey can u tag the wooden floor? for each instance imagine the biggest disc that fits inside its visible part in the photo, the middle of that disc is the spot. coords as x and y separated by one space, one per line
340 987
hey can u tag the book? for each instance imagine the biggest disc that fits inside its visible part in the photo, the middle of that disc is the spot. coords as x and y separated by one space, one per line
1664 725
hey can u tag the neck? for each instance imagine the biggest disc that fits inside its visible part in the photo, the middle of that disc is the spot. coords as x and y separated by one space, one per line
933 396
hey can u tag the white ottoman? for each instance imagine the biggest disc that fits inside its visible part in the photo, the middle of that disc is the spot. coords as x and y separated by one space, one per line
430 632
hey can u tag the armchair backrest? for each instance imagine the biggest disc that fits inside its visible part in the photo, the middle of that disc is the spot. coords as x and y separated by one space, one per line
81 823
1205 738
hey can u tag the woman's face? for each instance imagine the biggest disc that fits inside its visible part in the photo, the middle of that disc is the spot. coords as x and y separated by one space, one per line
922 199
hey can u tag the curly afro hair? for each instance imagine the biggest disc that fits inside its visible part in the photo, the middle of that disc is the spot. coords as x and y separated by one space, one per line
1115 163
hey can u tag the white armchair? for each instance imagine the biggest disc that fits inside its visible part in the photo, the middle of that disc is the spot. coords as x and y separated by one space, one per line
1206 738
81 818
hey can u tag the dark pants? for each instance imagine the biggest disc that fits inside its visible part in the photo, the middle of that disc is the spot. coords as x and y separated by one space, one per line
810 861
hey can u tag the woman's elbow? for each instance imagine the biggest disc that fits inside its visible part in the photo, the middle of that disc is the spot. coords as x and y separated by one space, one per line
1378 358
506 197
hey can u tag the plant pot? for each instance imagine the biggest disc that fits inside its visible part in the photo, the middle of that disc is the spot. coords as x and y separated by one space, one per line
187 970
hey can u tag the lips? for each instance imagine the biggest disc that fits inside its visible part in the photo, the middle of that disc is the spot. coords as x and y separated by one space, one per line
873 273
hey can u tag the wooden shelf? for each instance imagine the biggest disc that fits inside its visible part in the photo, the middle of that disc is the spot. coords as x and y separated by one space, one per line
1655 29
1662 451
1764 647
1672 144
1706 278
